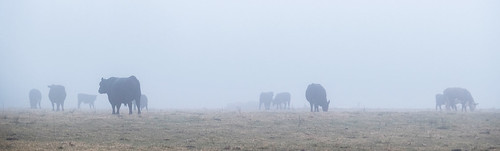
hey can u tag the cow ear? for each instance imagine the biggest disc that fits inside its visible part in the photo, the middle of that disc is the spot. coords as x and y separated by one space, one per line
102 79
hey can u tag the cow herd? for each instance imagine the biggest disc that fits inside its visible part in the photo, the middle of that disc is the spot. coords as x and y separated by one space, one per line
453 96
127 91
280 101
315 95
119 90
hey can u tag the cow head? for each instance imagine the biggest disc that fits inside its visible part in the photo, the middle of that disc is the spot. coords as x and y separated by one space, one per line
103 86
325 106
473 106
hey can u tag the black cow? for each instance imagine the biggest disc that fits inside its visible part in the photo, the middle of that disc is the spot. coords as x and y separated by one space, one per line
121 90
35 98
459 95
57 95
266 98
144 102
316 96
282 98
440 101
87 99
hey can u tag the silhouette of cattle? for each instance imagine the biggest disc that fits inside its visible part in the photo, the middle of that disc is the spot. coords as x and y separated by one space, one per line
316 96
87 99
440 101
144 103
282 98
35 98
121 90
459 95
57 95
266 98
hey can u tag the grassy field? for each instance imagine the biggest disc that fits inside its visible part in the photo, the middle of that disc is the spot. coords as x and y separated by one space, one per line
231 130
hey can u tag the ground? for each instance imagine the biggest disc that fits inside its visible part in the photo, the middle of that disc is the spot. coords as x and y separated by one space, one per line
233 130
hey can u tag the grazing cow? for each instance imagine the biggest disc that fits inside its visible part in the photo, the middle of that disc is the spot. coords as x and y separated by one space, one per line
87 99
459 95
266 98
121 90
144 102
316 96
35 98
440 100
282 98
57 95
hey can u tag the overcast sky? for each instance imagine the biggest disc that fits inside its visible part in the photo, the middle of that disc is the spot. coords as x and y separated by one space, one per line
207 54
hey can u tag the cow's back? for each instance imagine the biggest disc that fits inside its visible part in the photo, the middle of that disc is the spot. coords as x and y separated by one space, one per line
283 97
266 96
461 94
87 98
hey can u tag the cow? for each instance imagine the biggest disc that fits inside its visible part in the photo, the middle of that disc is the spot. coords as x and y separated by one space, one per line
266 98
316 96
57 95
282 98
35 98
144 102
121 90
457 95
87 99
440 101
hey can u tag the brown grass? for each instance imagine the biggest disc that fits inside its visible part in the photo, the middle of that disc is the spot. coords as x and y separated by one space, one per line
217 130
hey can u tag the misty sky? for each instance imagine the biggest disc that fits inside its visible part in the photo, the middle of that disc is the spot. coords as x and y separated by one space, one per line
207 54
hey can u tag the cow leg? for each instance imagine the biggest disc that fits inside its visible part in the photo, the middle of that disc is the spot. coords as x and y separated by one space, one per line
113 107
118 108
130 108
52 106
62 106
58 104
138 104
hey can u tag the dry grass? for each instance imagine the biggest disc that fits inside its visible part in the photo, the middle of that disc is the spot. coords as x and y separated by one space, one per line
217 130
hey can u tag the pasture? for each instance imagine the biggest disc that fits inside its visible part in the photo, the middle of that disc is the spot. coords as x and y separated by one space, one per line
232 130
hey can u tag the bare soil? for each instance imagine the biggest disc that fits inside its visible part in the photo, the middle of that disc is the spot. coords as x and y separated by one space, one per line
228 130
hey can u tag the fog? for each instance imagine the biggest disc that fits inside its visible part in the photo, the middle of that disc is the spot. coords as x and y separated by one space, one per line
208 54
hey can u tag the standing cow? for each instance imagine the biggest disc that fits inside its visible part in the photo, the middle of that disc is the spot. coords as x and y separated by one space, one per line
57 95
282 98
316 96
440 101
87 99
266 98
121 90
459 95
144 103
35 98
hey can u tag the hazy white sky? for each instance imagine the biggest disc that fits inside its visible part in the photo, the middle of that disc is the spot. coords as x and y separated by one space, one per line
196 54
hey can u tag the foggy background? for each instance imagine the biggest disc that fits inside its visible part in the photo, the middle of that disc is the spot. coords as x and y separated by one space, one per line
208 54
